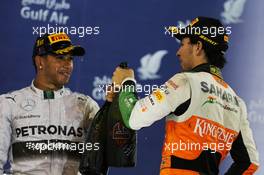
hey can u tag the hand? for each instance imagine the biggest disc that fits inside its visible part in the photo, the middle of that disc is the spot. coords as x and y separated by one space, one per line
120 74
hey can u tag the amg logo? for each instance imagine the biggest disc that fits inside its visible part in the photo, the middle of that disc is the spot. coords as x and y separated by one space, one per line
202 127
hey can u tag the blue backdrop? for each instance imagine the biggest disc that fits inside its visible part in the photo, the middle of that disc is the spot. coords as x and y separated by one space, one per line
113 31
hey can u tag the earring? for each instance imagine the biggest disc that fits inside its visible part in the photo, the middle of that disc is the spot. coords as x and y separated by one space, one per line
40 67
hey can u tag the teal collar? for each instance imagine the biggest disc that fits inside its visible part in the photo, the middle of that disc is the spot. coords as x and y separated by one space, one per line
48 94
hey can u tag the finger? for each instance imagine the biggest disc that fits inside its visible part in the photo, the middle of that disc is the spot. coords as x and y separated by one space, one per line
109 88
118 68
131 70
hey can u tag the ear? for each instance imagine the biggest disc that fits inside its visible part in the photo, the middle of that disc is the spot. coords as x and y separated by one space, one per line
39 62
199 48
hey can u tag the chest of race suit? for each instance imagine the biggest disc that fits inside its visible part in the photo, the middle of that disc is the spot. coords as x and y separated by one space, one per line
53 134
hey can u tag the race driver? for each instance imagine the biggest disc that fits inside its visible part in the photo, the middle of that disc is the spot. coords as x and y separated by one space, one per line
42 125
205 118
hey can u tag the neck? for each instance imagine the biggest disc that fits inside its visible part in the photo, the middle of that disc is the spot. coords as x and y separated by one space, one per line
44 85
198 61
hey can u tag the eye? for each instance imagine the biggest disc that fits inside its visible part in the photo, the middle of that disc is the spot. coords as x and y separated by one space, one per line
64 57
59 57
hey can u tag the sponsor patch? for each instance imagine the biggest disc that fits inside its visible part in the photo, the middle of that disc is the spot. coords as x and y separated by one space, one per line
226 38
40 42
165 162
32 130
164 89
26 117
213 100
172 84
158 95
208 40
143 107
205 128
28 104
194 21
57 37
151 100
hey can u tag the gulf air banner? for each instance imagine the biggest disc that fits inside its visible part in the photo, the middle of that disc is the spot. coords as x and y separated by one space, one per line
135 31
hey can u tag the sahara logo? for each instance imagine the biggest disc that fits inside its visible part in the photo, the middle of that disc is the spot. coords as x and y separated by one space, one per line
50 11
150 65
233 10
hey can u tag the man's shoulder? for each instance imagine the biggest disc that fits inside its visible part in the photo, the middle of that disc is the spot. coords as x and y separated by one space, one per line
186 75
13 96
181 77
194 74
78 94
18 91
82 97
241 102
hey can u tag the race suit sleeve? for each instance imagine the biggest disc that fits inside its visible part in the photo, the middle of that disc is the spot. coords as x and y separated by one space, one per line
91 109
5 131
243 151
144 112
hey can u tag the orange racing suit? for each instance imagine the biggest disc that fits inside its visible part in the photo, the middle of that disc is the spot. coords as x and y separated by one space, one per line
205 120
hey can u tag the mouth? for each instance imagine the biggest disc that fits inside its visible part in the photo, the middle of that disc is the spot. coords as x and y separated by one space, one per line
66 74
180 60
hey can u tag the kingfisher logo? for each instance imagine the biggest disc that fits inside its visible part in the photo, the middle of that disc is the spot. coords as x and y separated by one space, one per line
150 65
205 127
233 10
